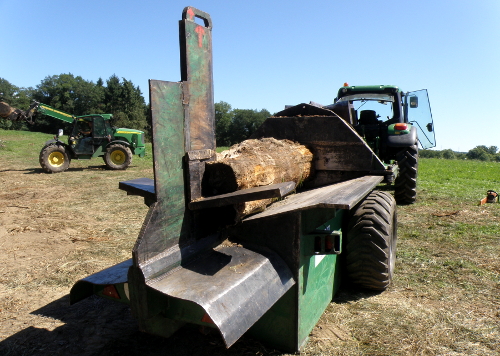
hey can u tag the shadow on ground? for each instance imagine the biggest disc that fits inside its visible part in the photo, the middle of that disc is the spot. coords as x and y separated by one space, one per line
97 326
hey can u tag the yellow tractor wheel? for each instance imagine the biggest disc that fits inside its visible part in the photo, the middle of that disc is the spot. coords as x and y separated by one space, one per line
54 159
118 157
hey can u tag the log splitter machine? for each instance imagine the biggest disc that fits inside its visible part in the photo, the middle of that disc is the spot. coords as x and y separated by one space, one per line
272 274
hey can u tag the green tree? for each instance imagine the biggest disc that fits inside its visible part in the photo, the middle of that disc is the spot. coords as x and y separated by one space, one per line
223 117
67 93
481 153
7 91
448 154
430 154
244 123
126 103
492 150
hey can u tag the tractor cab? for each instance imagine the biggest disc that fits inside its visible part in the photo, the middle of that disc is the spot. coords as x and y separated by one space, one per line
89 133
393 123
380 112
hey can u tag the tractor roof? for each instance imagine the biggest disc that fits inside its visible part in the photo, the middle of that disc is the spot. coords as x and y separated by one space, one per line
89 117
355 89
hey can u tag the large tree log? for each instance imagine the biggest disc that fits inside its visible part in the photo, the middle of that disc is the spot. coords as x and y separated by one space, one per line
255 163
5 110
9 113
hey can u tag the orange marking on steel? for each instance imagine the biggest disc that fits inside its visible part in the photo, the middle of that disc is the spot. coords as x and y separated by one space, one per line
190 12
200 31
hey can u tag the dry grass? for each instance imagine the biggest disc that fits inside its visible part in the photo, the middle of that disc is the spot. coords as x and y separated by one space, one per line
56 229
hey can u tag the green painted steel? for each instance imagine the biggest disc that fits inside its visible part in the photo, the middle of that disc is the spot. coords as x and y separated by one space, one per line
134 138
57 114
168 149
317 282
368 89
288 323
172 236
278 327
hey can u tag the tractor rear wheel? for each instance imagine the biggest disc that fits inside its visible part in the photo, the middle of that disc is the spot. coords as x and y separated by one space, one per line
54 159
118 157
370 249
405 186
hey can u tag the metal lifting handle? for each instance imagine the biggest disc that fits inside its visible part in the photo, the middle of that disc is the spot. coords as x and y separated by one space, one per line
189 13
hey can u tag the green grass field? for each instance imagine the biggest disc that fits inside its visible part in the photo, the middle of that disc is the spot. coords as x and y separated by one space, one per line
445 297
24 146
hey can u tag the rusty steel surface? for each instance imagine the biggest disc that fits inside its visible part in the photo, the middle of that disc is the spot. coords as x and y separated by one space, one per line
234 285
344 195
339 148
115 274
278 190
197 76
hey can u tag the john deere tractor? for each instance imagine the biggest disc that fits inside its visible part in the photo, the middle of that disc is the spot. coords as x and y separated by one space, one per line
91 136
393 123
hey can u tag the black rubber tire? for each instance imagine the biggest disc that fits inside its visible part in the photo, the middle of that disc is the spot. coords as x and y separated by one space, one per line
54 159
405 185
118 157
370 247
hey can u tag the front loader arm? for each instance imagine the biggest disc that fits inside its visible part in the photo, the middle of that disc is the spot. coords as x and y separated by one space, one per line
9 113
56 114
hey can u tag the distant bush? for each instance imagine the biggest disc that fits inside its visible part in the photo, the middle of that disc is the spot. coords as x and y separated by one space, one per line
448 154
430 154
479 153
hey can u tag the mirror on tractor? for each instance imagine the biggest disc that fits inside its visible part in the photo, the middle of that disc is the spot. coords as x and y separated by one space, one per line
413 102
60 133
429 127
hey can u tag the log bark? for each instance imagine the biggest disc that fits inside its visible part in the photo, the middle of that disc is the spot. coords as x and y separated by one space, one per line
255 163
8 112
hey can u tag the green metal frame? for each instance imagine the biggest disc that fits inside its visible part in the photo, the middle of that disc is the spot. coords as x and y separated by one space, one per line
175 276
57 114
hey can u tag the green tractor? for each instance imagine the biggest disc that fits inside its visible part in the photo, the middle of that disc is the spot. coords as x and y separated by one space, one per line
91 136
393 123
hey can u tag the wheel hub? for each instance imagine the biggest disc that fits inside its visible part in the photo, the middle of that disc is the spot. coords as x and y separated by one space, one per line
56 159
118 157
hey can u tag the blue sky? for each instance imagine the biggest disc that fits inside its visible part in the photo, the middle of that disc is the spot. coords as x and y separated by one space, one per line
271 53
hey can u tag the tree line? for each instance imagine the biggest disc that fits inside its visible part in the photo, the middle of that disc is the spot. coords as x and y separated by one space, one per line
235 125
481 153
77 96
119 97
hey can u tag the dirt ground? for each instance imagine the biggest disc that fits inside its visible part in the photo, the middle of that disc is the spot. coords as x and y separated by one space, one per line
58 228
